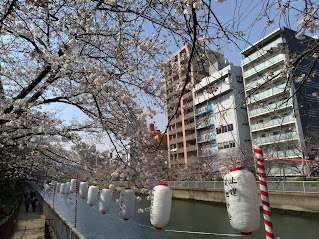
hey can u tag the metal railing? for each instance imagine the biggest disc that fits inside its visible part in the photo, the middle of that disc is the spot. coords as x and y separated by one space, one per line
7 223
61 228
279 186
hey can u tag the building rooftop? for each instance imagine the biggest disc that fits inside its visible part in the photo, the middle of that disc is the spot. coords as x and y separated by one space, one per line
254 47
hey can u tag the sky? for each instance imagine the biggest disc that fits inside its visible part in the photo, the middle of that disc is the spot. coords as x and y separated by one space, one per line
225 12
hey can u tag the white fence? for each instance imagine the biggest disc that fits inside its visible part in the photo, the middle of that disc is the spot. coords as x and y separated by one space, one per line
280 186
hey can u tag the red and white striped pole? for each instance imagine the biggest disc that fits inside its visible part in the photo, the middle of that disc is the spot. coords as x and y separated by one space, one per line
76 200
264 192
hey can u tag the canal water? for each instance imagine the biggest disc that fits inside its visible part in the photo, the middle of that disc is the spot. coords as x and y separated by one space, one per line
186 217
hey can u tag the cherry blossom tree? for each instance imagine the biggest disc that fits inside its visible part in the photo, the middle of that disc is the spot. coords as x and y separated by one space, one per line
105 58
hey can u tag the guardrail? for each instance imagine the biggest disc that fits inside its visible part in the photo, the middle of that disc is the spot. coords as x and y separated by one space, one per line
61 228
280 186
8 222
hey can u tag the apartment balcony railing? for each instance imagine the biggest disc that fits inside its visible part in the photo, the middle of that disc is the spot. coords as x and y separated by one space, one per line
176 140
264 65
188 95
272 123
191 148
180 150
175 130
190 126
188 105
205 125
189 115
203 111
174 121
283 154
267 93
190 137
260 52
276 138
270 108
206 138
254 84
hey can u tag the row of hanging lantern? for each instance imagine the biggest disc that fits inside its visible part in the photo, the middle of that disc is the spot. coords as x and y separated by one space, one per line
241 195
160 202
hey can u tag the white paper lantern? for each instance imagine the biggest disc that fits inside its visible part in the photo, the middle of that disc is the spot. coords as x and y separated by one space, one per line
127 203
105 200
73 185
67 188
84 189
242 200
58 186
92 195
62 189
160 206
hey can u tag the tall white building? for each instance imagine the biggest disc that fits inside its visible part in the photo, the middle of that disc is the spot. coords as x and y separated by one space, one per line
221 119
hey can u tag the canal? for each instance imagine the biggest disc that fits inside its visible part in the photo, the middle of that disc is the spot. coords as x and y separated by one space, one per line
186 216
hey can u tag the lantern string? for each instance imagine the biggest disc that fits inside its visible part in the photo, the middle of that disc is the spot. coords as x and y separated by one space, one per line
206 233
177 231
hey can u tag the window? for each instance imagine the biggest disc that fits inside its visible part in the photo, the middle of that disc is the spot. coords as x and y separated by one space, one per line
230 127
239 78
263 135
232 144
224 129
276 133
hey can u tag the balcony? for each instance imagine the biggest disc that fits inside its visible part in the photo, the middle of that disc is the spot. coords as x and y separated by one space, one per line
202 111
189 115
267 93
188 105
270 108
176 140
291 153
206 139
180 150
276 138
174 121
191 148
176 130
188 95
190 137
254 83
190 126
204 125
263 65
260 52
272 123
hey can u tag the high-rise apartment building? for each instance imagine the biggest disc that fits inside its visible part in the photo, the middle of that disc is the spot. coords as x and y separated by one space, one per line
181 132
280 118
221 119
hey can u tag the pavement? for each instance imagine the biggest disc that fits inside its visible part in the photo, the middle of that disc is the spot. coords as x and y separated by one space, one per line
30 225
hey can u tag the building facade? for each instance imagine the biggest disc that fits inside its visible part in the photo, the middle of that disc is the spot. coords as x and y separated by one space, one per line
221 120
280 118
181 134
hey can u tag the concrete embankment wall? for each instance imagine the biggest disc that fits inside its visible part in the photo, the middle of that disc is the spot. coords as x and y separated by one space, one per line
305 202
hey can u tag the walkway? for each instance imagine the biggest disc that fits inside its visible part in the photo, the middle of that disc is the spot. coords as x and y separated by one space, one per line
29 225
